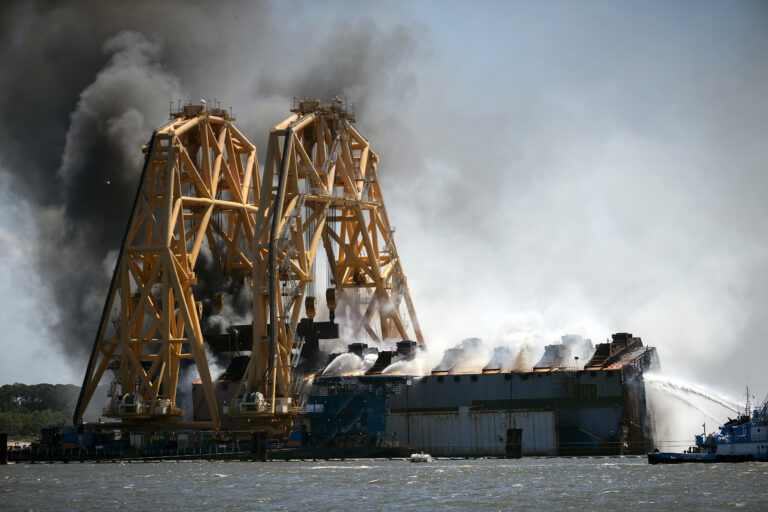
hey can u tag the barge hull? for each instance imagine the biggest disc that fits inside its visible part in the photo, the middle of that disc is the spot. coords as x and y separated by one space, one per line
682 458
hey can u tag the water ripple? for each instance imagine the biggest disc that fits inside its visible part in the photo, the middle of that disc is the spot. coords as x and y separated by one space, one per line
547 484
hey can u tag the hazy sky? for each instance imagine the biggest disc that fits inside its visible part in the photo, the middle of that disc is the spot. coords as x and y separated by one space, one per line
551 167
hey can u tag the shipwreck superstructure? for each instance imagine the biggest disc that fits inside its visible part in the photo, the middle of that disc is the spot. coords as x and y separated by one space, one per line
562 408
201 192
318 357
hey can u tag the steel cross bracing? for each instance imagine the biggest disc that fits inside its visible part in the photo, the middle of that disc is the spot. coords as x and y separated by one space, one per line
199 185
201 188
327 167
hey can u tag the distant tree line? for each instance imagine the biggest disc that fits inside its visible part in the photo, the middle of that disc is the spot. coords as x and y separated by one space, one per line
26 409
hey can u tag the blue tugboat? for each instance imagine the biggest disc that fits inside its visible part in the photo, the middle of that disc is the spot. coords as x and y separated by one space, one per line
740 440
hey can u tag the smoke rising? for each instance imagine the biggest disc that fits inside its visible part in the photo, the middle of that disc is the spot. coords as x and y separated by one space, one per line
593 168
98 175
99 91
605 184
473 355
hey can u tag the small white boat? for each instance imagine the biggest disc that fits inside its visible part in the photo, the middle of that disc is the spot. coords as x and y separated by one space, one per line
421 457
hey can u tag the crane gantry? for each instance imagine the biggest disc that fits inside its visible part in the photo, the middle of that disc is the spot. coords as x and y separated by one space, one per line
200 190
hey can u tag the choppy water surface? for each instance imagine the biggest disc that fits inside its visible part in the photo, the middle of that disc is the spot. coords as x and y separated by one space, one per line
529 484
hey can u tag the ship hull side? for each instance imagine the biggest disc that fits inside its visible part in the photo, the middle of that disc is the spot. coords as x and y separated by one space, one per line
595 412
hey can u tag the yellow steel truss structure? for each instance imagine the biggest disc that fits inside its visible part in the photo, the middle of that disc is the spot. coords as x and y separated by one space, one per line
321 187
201 188
200 180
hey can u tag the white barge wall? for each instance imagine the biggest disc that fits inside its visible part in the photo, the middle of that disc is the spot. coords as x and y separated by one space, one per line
597 412
474 433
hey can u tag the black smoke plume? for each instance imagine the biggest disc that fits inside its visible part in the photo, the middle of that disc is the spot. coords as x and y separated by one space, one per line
85 83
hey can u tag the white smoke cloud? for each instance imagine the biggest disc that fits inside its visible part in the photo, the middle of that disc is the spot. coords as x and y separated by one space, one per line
569 166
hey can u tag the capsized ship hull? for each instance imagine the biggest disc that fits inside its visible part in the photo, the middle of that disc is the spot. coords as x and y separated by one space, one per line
599 409
588 412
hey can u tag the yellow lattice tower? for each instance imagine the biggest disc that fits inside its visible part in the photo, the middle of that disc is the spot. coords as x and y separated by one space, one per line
320 186
199 186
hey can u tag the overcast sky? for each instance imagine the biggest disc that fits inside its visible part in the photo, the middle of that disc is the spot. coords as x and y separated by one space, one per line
550 167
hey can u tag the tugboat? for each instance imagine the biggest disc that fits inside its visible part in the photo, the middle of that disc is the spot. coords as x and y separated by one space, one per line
739 440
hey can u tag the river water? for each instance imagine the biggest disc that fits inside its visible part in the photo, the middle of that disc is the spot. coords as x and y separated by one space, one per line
556 484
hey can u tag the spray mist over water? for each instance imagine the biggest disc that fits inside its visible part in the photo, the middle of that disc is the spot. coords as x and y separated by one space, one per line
679 409
681 389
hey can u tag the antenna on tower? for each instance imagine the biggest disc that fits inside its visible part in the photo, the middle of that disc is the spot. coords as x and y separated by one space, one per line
748 406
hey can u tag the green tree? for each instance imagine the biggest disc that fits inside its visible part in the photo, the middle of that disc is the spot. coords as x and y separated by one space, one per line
26 409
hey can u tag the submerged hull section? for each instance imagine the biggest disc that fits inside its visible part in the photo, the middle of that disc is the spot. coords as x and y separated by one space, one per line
552 410
593 412
466 433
